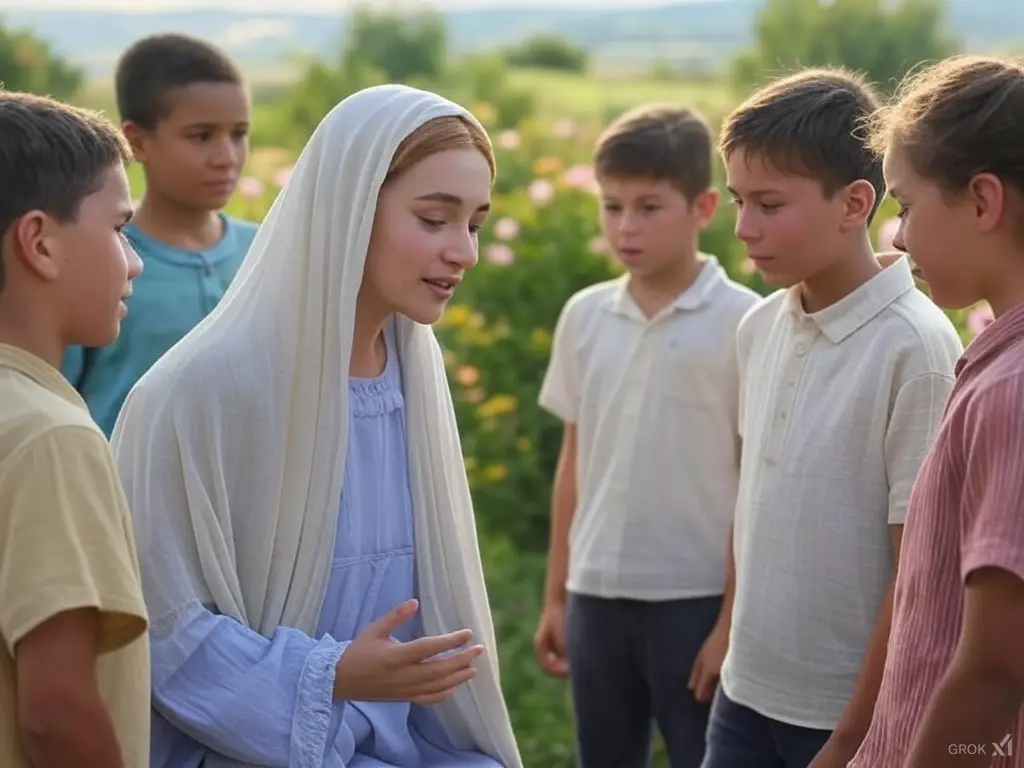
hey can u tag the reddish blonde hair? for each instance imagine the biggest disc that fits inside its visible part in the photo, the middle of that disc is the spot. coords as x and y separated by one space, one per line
958 118
440 135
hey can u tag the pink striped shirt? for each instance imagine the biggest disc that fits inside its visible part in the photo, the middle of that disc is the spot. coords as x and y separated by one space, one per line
965 513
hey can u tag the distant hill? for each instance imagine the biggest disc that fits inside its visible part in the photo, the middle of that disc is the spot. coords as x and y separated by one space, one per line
695 33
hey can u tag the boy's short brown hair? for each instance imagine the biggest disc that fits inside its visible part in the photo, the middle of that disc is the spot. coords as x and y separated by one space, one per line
813 124
661 142
52 156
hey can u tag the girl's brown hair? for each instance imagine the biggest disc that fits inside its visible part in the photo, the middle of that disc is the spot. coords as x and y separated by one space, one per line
440 135
958 118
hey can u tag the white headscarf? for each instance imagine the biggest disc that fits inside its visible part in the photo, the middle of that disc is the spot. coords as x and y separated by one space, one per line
232 447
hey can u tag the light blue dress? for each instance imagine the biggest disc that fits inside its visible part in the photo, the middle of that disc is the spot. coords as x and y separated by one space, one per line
225 696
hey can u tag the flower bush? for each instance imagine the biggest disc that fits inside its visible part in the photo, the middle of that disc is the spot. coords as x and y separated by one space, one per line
541 244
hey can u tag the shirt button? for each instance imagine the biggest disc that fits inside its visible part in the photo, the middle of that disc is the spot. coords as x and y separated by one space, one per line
801 350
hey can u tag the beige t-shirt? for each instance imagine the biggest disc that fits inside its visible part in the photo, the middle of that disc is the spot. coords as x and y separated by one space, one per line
66 542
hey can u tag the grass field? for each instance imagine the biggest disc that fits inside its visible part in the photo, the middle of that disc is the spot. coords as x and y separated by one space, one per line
565 94
598 98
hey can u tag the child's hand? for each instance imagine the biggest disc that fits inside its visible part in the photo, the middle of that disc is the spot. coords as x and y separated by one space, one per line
377 668
549 642
708 664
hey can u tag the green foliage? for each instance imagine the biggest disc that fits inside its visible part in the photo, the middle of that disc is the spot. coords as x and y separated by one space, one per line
548 51
884 40
28 63
403 46
542 244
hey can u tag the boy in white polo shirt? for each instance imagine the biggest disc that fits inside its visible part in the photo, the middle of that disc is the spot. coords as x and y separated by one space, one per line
643 373
844 378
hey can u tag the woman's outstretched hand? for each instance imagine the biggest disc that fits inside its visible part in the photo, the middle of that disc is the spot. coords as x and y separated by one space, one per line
375 667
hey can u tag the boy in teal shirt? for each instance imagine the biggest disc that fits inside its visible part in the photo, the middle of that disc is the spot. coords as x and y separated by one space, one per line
185 110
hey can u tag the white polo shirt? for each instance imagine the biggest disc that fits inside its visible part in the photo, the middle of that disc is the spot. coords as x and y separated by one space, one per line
655 405
837 412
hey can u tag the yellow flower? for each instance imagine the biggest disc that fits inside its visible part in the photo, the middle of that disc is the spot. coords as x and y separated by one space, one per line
497 405
523 444
548 166
495 473
541 338
485 113
456 315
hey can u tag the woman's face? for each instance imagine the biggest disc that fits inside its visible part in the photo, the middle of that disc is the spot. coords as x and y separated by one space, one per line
425 234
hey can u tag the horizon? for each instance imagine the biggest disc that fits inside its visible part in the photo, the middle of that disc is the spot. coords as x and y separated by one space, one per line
319 6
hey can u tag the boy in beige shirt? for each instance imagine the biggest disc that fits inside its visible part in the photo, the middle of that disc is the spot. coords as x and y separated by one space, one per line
74 661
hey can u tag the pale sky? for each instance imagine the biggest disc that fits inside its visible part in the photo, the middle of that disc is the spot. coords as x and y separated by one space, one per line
263 6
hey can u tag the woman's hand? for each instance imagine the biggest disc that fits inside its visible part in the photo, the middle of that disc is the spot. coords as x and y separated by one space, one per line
375 667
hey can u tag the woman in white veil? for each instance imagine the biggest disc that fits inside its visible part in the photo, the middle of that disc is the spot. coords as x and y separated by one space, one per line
296 477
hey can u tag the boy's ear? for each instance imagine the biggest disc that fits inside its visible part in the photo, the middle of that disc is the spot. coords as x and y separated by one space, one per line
706 204
29 239
859 200
136 136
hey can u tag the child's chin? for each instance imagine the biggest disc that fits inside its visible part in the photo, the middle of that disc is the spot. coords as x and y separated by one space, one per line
424 315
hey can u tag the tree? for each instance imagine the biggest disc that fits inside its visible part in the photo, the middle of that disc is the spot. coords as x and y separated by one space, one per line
883 40
404 46
28 63
548 51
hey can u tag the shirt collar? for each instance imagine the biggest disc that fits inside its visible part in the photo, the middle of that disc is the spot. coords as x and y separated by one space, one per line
852 312
994 339
710 277
39 371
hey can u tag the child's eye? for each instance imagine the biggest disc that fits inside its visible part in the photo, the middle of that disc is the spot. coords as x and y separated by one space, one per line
770 207
902 211
431 223
651 208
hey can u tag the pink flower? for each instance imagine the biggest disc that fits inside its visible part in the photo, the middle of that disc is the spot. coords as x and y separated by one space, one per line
467 375
250 187
541 191
506 228
582 177
499 254
599 246
979 318
747 267
565 129
282 176
508 139
887 233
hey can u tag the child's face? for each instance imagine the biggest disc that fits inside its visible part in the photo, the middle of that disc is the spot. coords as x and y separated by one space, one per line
195 155
95 264
935 230
424 234
791 230
649 224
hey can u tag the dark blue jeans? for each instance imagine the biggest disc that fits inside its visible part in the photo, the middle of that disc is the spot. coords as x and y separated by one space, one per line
739 737
630 665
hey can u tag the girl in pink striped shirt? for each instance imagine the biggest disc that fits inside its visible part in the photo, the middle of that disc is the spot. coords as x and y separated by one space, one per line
953 686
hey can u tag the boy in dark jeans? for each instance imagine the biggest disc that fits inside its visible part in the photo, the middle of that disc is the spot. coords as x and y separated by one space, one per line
643 374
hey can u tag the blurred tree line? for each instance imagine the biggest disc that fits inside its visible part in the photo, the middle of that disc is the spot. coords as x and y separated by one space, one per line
881 38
